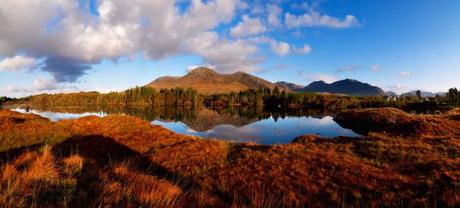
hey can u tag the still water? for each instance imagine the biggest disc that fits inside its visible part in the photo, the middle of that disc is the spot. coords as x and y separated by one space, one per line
242 126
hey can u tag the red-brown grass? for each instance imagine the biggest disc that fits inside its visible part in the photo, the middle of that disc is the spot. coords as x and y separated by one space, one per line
396 122
121 161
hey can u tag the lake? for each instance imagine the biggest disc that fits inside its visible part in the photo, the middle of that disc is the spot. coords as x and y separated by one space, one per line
238 125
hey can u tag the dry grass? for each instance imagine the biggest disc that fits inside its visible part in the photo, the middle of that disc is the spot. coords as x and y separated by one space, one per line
395 122
121 161
123 186
34 180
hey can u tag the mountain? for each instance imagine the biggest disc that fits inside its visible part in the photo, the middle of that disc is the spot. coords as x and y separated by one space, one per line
290 86
424 94
390 93
346 86
208 81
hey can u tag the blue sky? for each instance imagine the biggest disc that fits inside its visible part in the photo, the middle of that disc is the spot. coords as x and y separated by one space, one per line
114 45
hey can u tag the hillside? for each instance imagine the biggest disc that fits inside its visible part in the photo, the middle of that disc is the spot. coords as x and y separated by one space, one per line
291 86
346 86
208 81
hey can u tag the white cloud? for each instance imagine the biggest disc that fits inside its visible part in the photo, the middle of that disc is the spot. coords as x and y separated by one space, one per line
280 48
315 19
274 15
158 29
248 27
313 76
227 56
376 68
405 74
303 50
40 85
397 88
17 63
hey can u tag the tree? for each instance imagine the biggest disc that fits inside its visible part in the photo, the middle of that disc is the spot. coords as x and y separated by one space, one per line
418 94
453 97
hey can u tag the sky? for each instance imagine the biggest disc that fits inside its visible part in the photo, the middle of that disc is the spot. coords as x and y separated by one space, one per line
51 46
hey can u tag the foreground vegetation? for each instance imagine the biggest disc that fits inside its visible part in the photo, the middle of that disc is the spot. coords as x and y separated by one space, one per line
5 99
125 161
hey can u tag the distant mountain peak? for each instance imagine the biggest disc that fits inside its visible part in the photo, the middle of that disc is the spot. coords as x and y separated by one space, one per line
346 86
202 70
350 80
240 72
319 81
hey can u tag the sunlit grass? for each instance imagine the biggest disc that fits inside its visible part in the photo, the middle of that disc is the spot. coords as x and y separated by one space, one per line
120 161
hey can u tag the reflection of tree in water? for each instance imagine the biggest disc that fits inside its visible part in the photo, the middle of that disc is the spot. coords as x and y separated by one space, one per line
192 115
155 113
265 113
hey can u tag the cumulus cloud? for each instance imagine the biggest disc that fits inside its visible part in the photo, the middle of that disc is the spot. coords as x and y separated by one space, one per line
248 27
65 69
405 74
280 48
17 63
376 68
303 50
274 15
227 56
40 85
70 39
397 88
315 19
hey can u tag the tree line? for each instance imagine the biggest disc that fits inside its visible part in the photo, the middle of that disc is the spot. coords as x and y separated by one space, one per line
4 99
274 98
138 96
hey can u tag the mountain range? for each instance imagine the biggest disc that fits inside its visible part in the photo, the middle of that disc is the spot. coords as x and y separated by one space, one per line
424 94
346 86
207 81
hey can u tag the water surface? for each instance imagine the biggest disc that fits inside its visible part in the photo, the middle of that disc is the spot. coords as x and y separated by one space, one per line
242 126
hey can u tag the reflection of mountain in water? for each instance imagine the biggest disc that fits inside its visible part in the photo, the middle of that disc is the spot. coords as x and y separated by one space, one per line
200 120
207 119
